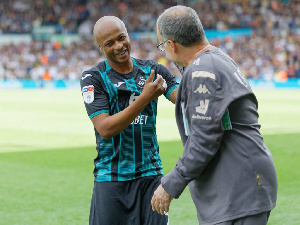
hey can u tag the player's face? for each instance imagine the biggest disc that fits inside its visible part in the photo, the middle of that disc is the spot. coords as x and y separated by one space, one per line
115 43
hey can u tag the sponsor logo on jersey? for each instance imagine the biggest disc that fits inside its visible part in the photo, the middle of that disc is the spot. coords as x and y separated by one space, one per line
201 117
85 76
202 108
203 74
88 94
202 89
141 119
119 84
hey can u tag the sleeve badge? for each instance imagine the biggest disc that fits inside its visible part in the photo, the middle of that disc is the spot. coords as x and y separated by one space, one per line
88 94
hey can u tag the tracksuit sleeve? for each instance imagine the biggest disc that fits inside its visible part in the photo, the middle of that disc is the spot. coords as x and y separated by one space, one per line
202 106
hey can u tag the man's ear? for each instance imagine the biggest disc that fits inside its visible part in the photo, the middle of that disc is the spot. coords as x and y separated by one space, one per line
173 45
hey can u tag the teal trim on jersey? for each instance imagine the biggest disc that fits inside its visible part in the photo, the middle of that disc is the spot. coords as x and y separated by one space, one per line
133 148
126 167
147 141
112 92
147 71
130 84
114 108
169 92
107 66
105 157
98 112
126 152
142 142
134 62
127 161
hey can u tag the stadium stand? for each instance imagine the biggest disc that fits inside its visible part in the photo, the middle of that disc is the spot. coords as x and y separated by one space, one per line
271 51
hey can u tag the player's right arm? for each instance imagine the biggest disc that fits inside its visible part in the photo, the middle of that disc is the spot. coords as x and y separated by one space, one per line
110 125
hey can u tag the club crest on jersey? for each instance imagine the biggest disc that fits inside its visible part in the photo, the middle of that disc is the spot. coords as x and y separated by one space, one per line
88 94
141 82
197 62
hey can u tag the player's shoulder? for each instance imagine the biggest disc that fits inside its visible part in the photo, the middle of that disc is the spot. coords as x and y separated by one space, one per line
94 71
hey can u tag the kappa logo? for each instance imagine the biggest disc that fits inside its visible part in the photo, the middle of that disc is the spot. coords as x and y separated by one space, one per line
119 84
202 89
87 75
197 62
202 108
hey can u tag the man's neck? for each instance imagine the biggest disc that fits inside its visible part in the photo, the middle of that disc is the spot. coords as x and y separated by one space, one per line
191 53
123 68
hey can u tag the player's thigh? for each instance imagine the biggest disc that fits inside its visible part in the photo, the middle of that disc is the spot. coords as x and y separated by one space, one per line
107 205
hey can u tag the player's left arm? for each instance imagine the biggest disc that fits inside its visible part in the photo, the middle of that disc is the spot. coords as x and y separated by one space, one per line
173 95
172 84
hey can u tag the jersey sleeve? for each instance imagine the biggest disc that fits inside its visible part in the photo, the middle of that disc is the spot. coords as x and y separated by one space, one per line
169 78
94 95
203 107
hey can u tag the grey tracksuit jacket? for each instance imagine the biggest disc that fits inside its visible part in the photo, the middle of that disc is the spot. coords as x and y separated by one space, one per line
228 168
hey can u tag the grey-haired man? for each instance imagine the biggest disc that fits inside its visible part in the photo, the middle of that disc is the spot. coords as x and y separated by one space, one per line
228 168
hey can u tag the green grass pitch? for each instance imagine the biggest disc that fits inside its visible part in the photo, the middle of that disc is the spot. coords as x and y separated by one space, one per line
47 147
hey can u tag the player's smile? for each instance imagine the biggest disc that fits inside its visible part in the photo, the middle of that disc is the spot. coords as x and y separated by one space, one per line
122 53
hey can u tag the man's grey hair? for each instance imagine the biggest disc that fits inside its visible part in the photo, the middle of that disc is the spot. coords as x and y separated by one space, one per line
181 24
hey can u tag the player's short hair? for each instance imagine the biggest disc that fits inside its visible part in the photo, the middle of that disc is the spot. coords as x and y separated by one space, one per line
181 24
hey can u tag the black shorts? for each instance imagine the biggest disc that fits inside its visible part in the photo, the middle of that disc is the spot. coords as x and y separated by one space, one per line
125 203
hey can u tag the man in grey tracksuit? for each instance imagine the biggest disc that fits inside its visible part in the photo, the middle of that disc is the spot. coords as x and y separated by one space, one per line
228 168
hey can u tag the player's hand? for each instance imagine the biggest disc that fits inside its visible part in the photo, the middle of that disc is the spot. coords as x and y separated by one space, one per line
153 90
161 200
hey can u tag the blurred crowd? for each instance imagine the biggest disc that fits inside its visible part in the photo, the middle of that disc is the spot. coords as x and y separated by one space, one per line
271 52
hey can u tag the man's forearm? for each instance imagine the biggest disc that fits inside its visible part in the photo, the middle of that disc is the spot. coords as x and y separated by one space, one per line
109 126
173 95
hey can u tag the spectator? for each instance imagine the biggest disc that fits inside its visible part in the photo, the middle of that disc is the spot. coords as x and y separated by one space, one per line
273 46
